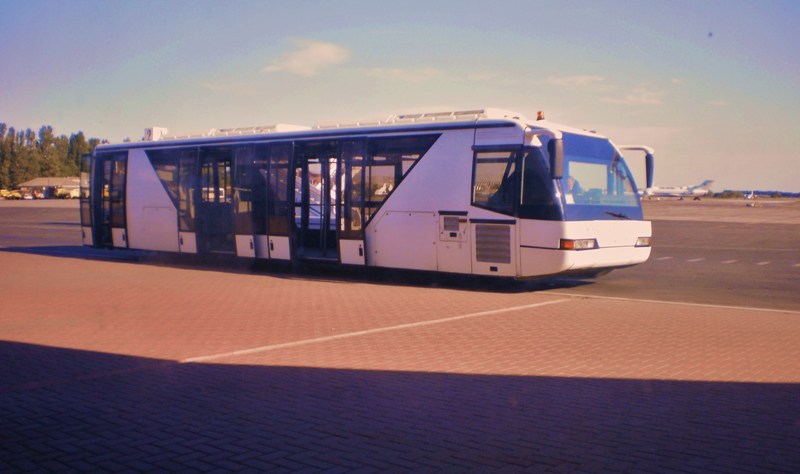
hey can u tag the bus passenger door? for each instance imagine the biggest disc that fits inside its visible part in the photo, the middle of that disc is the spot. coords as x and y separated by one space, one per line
249 200
86 202
280 185
215 231
352 248
316 172
108 188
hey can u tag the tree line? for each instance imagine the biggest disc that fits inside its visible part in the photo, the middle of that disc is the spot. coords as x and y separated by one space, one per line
25 155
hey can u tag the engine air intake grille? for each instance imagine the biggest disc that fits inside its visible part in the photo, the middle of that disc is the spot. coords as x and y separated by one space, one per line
493 243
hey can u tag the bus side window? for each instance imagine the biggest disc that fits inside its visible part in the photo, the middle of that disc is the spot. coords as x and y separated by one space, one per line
493 181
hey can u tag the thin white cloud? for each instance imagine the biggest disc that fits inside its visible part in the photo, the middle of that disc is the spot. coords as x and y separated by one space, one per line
641 95
576 81
309 58
416 76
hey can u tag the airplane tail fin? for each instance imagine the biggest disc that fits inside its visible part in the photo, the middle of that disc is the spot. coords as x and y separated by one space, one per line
701 185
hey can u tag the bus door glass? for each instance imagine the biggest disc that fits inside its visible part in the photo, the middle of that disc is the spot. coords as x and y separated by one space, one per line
277 157
249 200
317 174
215 232
85 199
351 218
108 183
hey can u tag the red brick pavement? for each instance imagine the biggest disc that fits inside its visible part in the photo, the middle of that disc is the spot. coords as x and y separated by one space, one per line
92 376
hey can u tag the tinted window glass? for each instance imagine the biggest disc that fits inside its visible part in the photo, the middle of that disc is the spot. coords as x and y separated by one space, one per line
250 192
353 157
165 163
177 171
388 162
538 198
493 182
86 216
118 170
278 206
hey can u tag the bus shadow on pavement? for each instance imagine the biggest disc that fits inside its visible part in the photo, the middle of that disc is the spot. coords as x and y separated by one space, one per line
66 409
312 272
78 251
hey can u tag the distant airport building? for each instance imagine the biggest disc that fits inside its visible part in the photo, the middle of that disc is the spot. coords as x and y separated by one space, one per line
52 187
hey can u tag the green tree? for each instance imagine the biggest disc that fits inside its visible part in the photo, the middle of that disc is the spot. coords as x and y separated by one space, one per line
24 155
46 150
25 163
5 158
10 144
65 168
79 146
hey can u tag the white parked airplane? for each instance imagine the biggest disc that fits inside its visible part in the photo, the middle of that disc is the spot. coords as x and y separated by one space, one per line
694 192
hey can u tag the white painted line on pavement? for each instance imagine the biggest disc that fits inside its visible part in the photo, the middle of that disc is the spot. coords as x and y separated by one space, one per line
664 258
726 262
692 260
679 303
761 264
366 332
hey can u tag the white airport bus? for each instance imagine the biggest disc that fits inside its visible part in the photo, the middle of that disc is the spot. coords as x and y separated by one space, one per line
481 192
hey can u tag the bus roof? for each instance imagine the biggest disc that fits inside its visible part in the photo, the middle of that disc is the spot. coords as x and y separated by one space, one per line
486 117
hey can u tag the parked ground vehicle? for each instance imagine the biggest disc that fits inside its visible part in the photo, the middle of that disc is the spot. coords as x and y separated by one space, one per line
484 192
68 193
10 195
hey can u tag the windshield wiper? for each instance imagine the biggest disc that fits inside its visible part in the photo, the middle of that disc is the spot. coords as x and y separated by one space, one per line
618 215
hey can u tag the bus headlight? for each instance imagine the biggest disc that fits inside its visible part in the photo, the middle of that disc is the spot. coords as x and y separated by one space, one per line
643 241
577 244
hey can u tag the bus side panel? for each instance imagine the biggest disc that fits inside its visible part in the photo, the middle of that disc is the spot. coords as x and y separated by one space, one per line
351 252
404 239
245 246
407 233
279 247
152 217
119 238
187 241
453 251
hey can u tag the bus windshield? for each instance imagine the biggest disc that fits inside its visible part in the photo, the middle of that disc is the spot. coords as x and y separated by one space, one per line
597 184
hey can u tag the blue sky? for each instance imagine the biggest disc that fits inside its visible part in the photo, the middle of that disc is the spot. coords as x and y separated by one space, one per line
714 86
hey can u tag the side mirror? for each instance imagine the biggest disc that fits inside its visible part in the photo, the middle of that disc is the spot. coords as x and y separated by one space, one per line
648 157
555 148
